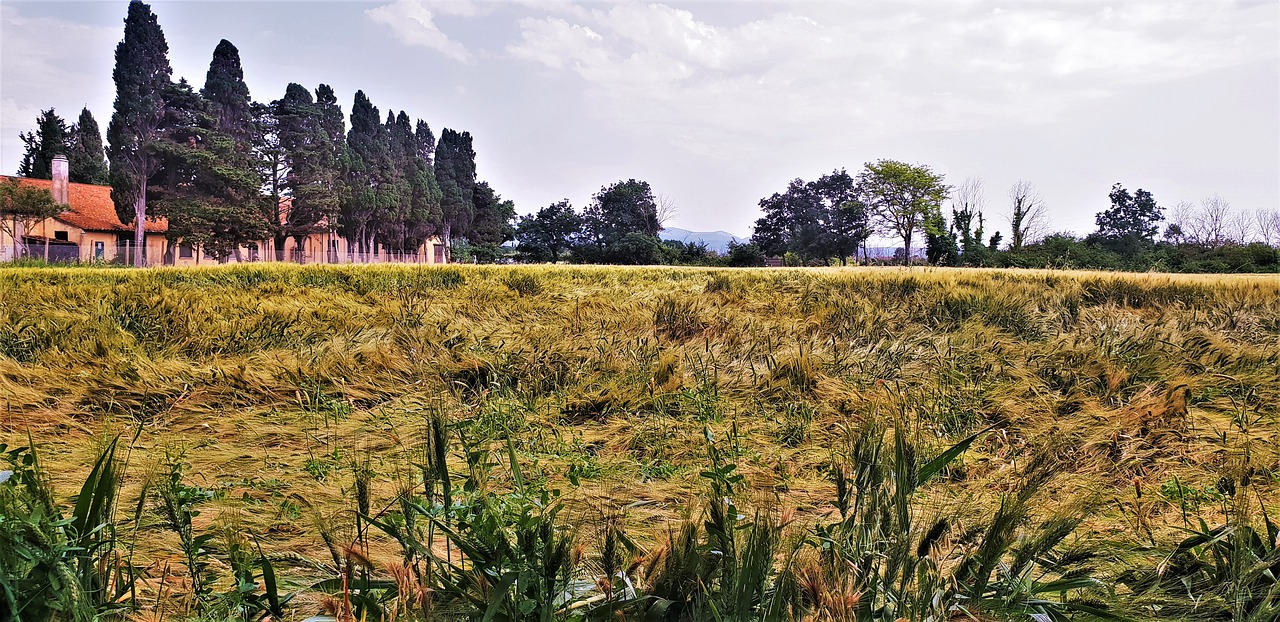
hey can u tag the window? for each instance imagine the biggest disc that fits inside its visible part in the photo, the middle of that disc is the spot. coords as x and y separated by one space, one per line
185 250
61 235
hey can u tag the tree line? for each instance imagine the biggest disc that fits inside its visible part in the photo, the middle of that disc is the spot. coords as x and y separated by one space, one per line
216 163
829 220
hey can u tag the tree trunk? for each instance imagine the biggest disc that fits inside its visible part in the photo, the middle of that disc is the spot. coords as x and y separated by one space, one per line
448 247
139 222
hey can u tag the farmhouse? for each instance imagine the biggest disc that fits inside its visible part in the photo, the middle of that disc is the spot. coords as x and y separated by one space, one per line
89 231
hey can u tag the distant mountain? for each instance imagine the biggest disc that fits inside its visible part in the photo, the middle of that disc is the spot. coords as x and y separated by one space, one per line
717 241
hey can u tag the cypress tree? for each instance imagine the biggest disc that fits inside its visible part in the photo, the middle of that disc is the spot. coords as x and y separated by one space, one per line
427 219
50 139
142 75
367 155
426 141
309 157
491 224
85 155
455 169
226 92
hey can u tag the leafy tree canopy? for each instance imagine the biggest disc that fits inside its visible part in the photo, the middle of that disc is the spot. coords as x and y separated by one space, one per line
620 209
902 197
815 220
546 235
1131 223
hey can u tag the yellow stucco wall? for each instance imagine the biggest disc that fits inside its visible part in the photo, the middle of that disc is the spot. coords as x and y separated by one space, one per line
315 248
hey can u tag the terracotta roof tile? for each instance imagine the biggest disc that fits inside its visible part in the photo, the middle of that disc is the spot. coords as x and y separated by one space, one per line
92 208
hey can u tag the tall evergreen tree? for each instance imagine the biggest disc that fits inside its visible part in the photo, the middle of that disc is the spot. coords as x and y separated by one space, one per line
414 203
311 162
426 142
492 223
427 218
455 169
85 155
368 155
207 186
49 139
268 158
142 75
227 94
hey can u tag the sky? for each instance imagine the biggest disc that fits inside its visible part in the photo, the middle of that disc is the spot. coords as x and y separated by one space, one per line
719 104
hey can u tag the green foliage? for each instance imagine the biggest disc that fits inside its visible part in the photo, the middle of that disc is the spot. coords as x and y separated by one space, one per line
902 197
1227 572
86 158
491 222
616 211
207 185
142 75
549 233
819 219
54 567
227 94
1131 223
312 153
177 504
902 570
745 255
51 138
455 169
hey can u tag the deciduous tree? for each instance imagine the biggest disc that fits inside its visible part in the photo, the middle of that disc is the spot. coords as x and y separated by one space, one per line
902 197
21 208
1026 214
816 220
1131 223
549 233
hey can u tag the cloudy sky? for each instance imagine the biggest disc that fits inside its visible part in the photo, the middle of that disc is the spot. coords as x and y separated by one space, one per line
718 104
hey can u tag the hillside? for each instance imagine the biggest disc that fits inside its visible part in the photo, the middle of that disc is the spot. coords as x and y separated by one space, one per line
717 241
306 405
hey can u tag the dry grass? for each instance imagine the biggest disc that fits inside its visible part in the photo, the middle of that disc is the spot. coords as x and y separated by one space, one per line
277 380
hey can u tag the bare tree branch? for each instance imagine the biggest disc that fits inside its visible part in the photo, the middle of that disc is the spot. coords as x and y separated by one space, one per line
667 210
1268 226
1027 214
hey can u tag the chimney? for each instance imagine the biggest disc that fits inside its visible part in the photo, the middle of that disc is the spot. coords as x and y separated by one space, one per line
60 179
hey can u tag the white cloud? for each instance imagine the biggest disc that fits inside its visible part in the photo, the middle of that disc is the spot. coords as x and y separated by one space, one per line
50 63
413 23
879 68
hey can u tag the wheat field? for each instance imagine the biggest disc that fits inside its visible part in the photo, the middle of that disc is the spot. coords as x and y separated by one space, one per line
290 395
